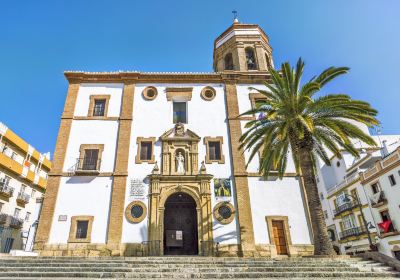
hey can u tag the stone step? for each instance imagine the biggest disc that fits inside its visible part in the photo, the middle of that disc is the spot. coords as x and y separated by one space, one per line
195 275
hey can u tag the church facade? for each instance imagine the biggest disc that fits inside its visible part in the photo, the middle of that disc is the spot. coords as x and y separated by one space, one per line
148 164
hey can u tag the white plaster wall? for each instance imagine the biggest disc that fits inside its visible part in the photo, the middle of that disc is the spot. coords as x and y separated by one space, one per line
92 132
281 198
153 118
88 89
79 196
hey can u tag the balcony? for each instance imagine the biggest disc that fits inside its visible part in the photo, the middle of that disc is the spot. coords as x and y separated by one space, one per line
6 190
345 207
3 218
87 166
16 223
378 199
23 198
356 231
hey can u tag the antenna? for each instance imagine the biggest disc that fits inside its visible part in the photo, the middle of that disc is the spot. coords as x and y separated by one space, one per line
235 16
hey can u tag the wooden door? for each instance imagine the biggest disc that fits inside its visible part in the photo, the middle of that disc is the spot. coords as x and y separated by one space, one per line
279 237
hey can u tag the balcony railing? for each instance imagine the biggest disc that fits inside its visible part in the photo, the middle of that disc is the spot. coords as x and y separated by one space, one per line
356 231
345 207
16 222
3 218
87 166
6 190
379 200
23 198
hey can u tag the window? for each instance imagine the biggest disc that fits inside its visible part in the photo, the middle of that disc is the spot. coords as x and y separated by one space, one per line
146 150
149 93
33 193
81 229
208 93
214 149
23 188
28 215
99 107
224 212
385 215
267 60
14 156
6 180
397 255
228 60
250 59
17 212
392 180
326 214
90 159
375 187
348 222
321 195
180 114
341 199
135 212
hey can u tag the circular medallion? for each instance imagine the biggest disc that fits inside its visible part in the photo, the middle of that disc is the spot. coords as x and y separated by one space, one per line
208 93
150 93
224 212
135 212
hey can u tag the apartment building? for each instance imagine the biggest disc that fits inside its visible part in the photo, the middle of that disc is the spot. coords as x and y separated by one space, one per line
23 179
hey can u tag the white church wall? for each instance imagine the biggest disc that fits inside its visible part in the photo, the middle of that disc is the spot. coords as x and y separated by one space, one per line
82 195
88 89
278 198
92 132
153 118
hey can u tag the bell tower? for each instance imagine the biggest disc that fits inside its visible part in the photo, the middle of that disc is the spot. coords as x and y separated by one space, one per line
244 48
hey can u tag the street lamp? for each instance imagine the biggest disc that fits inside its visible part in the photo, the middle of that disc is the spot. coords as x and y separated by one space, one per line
368 225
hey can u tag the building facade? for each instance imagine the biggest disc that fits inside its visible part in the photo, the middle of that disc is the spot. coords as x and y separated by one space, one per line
23 179
148 164
360 196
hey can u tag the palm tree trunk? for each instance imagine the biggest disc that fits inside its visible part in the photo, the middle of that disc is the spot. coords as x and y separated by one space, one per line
322 243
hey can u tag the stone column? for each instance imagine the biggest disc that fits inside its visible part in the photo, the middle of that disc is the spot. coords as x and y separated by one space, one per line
247 244
53 182
121 170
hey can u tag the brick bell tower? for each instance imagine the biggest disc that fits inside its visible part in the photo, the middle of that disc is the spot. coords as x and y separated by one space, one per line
244 48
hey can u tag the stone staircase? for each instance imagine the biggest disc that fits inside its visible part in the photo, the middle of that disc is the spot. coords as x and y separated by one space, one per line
191 267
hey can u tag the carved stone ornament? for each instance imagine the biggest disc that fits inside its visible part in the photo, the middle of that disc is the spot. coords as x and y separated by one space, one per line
179 129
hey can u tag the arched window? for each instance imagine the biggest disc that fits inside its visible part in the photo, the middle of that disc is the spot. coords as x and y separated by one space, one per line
228 61
250 59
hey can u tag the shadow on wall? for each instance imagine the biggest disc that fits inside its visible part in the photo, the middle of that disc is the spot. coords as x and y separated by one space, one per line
80 179
232 235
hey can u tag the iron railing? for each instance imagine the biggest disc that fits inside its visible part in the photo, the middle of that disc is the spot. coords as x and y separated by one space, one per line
381 199
209 248
23 197
3 218
87 165
16 222
356 231
345 207
151 248
5 189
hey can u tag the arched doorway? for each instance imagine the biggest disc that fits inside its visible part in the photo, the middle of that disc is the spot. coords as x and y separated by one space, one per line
180 225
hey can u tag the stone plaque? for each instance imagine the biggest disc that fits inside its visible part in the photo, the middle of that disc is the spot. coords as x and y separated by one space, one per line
137 189
62 218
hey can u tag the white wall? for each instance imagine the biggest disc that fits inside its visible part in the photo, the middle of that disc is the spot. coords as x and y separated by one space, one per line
92 132
278 198
153 118
87 89
79 196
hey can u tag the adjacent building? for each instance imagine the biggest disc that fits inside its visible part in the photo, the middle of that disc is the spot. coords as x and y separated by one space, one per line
23 179
148 164
361 198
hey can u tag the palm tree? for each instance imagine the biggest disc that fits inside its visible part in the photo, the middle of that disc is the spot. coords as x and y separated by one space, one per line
291 117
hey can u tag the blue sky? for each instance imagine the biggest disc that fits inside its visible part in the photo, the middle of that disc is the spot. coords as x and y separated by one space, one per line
41 39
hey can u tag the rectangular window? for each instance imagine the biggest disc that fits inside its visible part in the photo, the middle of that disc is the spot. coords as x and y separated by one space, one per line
6 180
180 112
14 156
33 193
392 180
81 229
28 215
348 222
375 187
326 214
146 150
214 148
90 159
16 213
99 107
23 188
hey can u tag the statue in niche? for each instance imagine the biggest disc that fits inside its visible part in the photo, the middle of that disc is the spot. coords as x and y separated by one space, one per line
179 129
180 162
